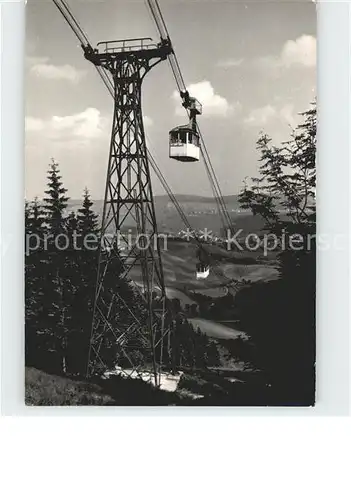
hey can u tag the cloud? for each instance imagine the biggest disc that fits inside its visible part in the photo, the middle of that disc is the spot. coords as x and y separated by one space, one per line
33 60
212 104
301 52
84 126
41 68
230 63
34 124
260 117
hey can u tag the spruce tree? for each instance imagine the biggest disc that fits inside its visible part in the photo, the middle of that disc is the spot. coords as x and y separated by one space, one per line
56 201
86 258
58 267
34 281
71 223
37 218
27 211
279 316
87 218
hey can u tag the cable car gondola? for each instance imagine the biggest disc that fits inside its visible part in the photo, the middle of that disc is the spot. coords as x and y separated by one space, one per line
184 144
202 271
203 265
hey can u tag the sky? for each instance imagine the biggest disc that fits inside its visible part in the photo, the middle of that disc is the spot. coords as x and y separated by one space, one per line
251 64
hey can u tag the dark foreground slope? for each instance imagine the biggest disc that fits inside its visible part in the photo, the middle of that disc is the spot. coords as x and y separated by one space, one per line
200 389
43 389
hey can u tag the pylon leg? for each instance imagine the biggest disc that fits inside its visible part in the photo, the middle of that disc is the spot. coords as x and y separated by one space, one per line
126 330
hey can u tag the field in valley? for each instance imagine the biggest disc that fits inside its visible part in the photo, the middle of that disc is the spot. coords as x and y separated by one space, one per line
179 266
179 262
179 257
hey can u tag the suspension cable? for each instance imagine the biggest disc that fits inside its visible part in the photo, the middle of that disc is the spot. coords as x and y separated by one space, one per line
184 218
154 7
104 75
71 20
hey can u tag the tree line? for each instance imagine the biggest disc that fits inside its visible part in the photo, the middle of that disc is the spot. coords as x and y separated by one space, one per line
280 315
60 281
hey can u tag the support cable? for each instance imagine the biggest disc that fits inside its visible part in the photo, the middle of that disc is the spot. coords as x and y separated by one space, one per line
82 37
179 80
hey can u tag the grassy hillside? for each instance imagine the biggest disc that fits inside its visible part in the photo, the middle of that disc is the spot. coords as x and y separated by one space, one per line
179 267
216 330
195 388
42 389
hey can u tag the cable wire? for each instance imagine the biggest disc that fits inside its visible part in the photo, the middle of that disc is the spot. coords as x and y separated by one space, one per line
104 75
154 7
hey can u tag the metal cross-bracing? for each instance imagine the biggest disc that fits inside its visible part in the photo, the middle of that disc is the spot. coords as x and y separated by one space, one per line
129 331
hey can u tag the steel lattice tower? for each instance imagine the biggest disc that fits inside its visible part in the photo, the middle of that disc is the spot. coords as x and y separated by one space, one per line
128 202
